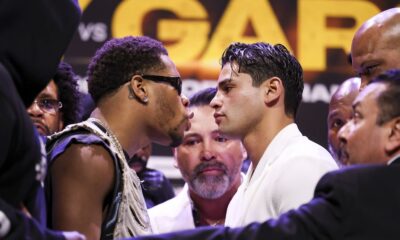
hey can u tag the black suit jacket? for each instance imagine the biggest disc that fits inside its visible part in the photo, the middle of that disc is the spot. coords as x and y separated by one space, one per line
361 202
33 37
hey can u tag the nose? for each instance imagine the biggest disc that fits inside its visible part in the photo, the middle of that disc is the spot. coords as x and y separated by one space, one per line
364 82
185 101
343 132
208 152
34 110
216 101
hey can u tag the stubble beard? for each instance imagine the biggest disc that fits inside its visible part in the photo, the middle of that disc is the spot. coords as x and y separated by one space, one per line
165 116
175 135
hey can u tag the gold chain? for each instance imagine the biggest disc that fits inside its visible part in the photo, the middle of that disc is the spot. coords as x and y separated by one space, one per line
114 139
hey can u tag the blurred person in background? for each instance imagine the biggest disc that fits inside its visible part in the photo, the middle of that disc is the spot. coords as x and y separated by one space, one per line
376 45
155 186
340 112
58 104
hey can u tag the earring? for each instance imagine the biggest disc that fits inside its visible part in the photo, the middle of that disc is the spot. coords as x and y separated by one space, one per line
145 99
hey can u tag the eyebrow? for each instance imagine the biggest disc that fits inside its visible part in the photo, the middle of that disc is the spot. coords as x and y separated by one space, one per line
356 105
371 61
215 132
195 134
224 82
333 114
191 134
46 95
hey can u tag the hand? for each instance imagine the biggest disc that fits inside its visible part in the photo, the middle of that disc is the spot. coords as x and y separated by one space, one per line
73 236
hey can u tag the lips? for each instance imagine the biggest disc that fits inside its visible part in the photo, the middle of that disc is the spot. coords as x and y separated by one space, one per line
343 156
210 168
41 128
218 117
212 171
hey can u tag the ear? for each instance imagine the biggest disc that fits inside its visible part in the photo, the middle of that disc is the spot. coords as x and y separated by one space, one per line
138 89
175 152
273 89
61 122
393 143
243 150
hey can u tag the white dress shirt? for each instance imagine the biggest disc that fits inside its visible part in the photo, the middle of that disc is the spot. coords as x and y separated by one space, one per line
173 215
284 179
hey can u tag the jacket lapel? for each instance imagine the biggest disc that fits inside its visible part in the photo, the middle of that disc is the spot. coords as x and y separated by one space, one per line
396 161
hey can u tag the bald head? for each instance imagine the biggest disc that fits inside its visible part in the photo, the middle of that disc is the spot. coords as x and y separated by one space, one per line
376 45
340 112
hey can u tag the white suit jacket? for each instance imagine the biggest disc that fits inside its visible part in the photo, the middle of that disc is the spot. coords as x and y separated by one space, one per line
172 215
284 179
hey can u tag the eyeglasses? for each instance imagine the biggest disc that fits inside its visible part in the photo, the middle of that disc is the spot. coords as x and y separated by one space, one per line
48 105
175 82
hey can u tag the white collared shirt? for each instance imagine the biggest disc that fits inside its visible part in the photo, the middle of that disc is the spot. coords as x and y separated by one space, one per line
284 179
172 215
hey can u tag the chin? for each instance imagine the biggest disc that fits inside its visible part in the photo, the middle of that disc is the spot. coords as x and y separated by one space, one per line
230 134
41 132
226 130
175 138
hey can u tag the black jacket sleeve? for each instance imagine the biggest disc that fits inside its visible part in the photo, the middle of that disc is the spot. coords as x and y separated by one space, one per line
23 227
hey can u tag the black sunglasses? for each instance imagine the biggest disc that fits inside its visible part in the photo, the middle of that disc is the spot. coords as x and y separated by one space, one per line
175 82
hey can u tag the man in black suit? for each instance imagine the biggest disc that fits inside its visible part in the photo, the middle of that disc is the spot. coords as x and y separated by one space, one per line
360 202
33 37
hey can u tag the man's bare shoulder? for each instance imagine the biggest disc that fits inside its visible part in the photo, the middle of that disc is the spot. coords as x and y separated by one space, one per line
82 177
88 163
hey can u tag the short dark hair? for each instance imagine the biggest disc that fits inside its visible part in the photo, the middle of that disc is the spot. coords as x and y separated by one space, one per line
203 97
263 61
389 100
119 59
67 85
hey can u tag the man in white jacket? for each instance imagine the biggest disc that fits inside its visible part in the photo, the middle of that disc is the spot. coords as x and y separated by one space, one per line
259 90
210 165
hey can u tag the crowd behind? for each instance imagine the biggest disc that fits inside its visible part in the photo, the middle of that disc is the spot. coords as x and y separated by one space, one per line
249 172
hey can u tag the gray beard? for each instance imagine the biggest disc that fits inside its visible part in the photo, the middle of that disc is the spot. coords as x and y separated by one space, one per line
210 187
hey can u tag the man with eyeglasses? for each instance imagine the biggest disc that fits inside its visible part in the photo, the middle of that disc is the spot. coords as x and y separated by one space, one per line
57 105
136 88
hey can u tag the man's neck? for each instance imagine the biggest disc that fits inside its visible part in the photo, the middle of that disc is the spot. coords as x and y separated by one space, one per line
128 137
258 140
